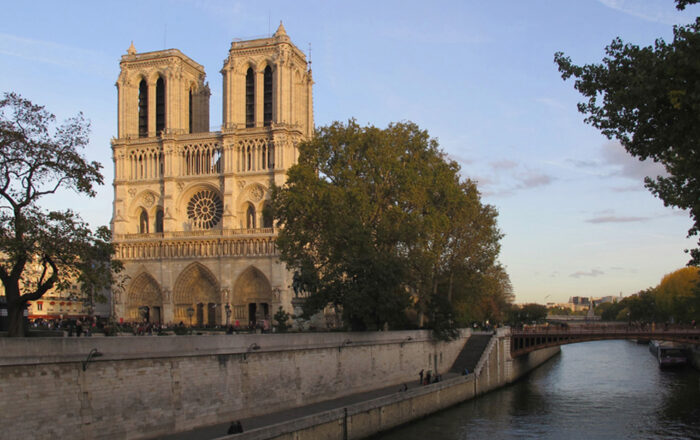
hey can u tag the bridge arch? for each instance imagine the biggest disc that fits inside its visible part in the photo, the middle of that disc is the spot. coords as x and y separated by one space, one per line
528 340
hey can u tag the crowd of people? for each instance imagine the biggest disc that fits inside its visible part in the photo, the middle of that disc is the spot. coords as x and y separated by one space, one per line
85 326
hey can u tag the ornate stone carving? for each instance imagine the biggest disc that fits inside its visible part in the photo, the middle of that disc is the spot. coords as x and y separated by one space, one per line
256 193
241 184
149 199
205 209
132 192
180 185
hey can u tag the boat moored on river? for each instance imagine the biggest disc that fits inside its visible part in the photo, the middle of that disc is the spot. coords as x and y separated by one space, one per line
669 354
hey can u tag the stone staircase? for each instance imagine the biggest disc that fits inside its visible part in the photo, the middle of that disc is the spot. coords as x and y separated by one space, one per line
471 353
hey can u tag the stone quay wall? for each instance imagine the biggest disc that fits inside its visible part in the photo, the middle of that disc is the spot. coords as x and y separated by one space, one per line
495 369
143 387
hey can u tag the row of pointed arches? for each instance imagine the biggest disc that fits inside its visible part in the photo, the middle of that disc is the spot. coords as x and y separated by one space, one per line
145 109
250 97
197 298
253 220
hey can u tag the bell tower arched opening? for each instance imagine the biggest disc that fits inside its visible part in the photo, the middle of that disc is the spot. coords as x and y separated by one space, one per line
160 105
143 108
250 98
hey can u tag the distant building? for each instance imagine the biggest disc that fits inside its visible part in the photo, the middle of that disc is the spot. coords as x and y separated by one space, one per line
69 303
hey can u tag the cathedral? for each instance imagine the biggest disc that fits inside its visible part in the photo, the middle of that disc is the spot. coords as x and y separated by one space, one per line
189 219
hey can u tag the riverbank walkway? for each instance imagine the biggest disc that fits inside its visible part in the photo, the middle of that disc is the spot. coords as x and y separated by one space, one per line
220 430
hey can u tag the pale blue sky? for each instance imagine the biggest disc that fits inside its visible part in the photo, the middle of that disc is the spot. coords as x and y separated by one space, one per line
479 76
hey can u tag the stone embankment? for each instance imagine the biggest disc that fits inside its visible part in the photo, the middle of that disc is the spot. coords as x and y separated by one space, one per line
145 387
493 368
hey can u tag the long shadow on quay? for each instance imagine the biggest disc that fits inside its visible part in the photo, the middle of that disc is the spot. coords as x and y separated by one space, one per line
220 430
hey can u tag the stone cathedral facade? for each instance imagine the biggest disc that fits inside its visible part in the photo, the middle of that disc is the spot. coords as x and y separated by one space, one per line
188 218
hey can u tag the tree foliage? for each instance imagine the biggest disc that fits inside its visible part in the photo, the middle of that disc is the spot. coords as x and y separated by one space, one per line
678 294
378 221
676 299
648 98
38 158
528 314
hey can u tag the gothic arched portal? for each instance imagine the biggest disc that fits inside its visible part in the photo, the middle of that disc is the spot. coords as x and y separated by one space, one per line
144 300
252 297
196 296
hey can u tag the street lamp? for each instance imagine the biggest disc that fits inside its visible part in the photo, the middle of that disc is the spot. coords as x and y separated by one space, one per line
190 312
93 354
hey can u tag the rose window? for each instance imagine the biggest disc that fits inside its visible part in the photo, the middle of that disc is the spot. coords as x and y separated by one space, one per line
205 209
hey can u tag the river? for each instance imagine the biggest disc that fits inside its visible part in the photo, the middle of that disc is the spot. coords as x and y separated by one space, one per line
593 390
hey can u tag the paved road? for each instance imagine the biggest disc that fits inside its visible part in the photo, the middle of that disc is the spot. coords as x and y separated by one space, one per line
219 430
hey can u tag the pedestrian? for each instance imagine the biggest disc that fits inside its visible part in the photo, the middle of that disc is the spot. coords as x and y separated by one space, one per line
234 428
427 377
78 328
421 377
404 387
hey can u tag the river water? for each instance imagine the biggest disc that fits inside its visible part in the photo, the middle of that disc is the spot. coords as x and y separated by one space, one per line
593 390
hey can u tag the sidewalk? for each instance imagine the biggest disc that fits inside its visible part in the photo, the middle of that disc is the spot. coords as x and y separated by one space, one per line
219 430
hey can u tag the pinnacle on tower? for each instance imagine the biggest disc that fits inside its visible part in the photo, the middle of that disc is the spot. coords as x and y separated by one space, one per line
280 30
131 50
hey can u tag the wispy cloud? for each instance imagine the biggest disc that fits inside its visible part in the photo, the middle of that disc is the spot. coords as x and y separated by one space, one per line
630 188
47 52
649 10
504 164
551 102
591 273
532 179
614 161
509 177
623 269
461 159
625 165
616 219
578 163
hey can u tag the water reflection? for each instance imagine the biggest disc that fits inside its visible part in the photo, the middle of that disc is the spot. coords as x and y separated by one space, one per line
593 390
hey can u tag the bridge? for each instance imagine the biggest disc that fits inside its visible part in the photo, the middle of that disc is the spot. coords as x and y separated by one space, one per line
526 340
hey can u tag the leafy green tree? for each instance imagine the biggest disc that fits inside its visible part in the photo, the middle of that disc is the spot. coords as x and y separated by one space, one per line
376 221
642 306
648 98
481 296
603 308
528 313
560 311
677 295
282 318
37 159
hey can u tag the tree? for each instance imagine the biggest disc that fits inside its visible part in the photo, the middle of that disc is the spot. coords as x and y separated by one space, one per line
642 306
678 295
648 98
282 319
528 313
37 159
378 221
483 296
